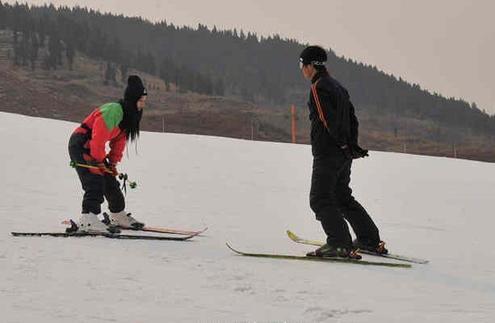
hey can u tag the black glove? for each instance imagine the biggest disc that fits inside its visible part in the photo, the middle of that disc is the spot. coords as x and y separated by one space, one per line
354 151
111 168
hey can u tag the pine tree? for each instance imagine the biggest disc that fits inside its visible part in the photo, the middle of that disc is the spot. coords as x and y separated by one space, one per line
124 68
70 53
16 45
34 49
55 48
3 17
110 74
219 88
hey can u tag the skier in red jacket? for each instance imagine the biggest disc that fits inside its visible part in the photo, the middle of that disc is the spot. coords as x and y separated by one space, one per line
113 123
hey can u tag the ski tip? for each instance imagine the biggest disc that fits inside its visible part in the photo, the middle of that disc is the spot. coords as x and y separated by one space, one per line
191 233
197 233
188 237
292 235
231 248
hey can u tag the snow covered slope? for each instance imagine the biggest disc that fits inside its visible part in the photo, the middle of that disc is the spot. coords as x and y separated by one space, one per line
247 193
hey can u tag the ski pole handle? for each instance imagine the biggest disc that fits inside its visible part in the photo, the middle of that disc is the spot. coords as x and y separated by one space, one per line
121 176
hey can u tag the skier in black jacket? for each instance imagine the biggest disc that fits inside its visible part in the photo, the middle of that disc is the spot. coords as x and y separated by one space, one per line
334 141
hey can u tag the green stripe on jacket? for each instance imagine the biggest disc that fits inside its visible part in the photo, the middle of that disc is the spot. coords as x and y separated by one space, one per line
112 113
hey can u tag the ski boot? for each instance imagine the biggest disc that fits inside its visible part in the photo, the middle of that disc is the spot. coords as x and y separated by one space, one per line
370 247
123 220
334 252
90 223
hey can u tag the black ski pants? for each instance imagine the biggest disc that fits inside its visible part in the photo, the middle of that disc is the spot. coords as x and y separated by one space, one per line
332 201
96 187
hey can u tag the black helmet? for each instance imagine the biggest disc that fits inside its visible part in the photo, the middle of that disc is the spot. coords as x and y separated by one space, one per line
314 55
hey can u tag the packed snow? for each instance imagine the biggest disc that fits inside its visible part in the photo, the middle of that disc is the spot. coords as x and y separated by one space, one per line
247 193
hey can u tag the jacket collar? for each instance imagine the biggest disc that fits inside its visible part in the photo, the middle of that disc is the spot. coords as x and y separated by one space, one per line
318 75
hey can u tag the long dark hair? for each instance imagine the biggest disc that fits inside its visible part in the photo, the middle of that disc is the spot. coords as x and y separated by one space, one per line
131 120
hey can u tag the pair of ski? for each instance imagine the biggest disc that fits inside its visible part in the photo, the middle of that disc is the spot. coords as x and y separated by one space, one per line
179 235
297 239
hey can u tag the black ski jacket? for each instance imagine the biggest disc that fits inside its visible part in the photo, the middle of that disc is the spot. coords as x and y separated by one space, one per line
334 126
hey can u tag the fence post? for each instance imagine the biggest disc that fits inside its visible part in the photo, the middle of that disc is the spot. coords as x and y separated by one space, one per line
293 124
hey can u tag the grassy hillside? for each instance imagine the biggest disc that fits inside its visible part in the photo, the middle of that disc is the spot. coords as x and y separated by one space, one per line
71 94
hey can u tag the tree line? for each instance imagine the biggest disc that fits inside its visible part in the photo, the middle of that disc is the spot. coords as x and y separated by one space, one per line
47 28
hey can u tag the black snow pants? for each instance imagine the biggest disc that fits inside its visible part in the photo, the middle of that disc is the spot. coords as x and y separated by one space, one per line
332 201
96 187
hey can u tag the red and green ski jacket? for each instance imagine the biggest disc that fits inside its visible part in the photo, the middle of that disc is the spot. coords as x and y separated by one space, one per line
103 125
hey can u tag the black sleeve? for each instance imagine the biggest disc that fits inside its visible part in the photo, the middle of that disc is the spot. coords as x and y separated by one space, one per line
354 124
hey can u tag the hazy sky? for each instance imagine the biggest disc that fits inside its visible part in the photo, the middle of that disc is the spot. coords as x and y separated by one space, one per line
447 46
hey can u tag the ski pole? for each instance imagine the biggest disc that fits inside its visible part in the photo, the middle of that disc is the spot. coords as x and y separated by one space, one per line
121 176
73 164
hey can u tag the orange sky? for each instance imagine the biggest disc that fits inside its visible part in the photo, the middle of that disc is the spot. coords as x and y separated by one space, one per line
446 46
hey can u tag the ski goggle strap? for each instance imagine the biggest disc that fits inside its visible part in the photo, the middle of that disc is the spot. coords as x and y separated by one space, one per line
314 63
